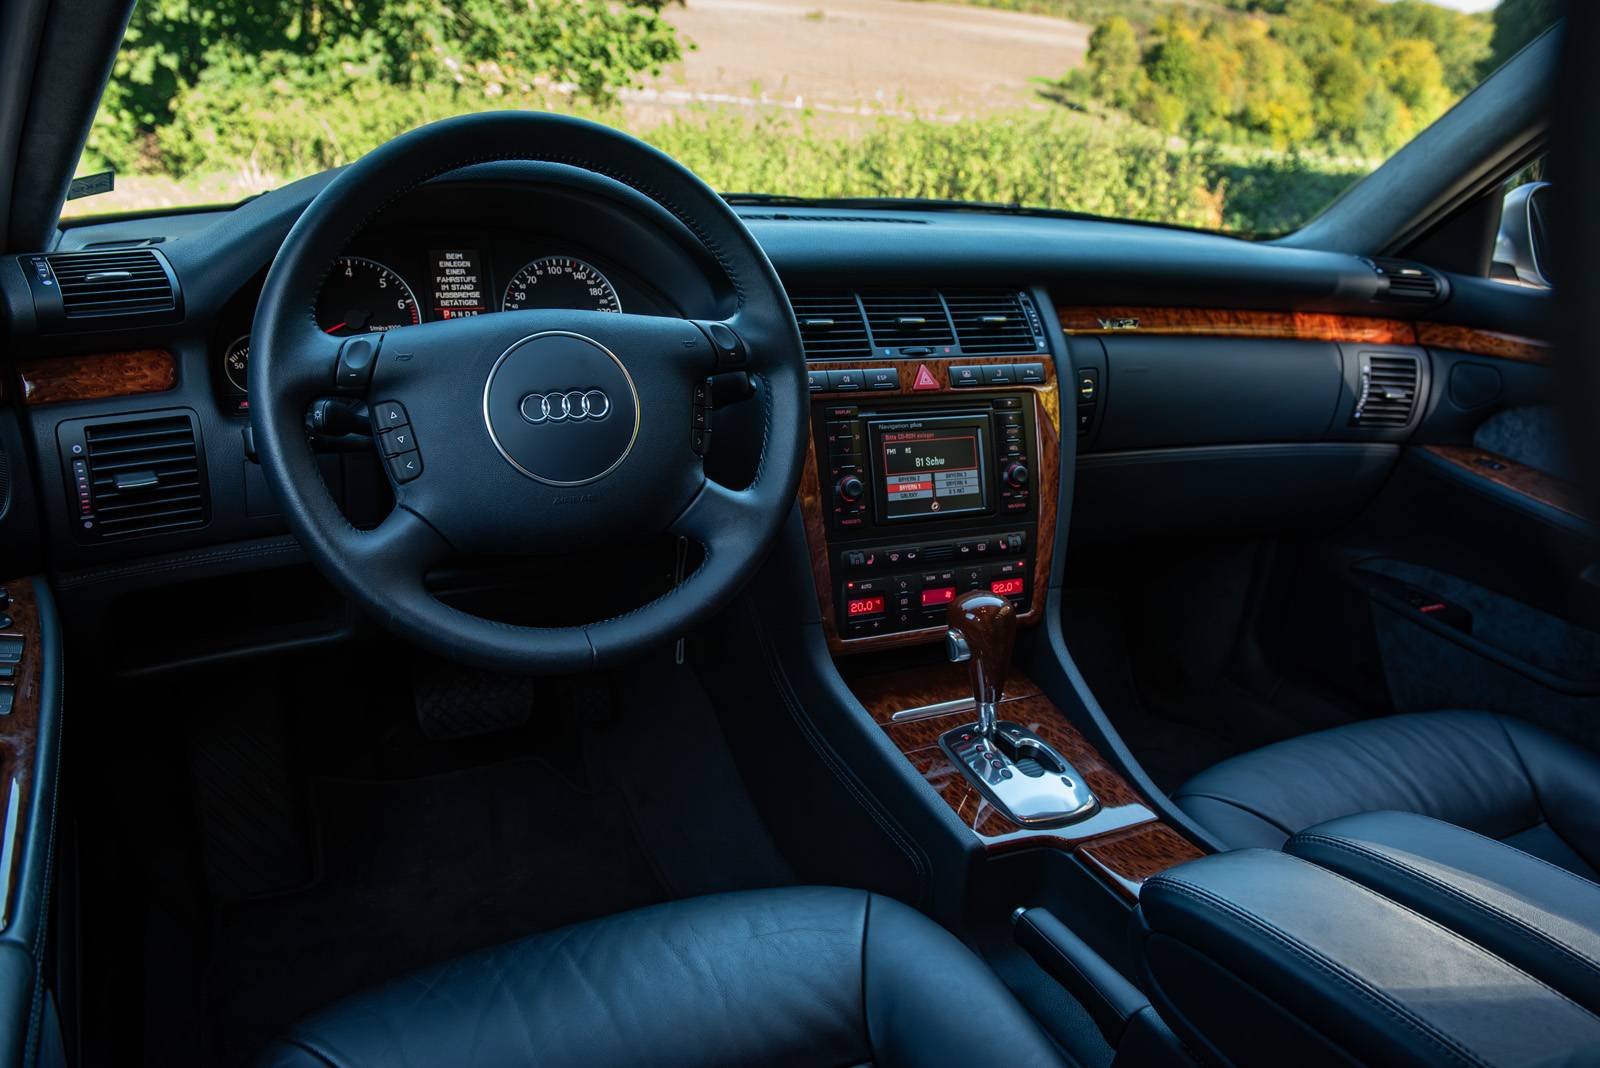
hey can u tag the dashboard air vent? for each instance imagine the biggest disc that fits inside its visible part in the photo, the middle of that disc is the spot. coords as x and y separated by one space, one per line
99 284
1387 394
144 476
1408 281
913 318
831 327
991 322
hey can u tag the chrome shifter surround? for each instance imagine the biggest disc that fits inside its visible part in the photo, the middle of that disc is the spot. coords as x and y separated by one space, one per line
1020 774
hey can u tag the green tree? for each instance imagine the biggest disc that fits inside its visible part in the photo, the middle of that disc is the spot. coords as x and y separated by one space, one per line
231 56
1113 63
1516 22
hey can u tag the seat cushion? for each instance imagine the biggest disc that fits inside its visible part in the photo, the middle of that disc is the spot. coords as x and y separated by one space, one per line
796 976
1491 774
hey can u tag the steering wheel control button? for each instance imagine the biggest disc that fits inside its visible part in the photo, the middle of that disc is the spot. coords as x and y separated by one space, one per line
389 414
562 409
700 418
406 466
396 441
357 356
725 343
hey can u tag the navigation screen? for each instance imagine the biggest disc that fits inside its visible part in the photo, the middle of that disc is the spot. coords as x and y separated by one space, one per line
931 467
458 285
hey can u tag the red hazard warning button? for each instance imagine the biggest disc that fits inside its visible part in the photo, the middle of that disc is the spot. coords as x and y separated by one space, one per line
925 379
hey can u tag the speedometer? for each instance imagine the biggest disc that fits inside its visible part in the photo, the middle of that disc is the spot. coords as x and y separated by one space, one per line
561 282
361 295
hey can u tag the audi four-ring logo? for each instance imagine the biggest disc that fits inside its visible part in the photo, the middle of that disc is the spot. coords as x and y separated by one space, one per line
573 405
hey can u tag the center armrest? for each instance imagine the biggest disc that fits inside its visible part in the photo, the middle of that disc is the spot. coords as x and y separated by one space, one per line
1261 958
1541 918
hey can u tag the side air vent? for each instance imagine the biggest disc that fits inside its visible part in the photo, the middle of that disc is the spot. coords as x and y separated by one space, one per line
990 323
913 318
1387 392
1407 281
112 283
102 290
831 327
136 475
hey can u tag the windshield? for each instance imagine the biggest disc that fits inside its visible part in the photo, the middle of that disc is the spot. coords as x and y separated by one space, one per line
1246 116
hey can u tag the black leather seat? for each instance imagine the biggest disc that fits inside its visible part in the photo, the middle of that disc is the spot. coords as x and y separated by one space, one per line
799 976
1491 774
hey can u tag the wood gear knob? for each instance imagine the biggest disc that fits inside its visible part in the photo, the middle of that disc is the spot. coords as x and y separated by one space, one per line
987 623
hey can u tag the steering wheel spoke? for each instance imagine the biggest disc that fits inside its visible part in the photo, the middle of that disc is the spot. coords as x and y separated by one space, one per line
403 546
719 518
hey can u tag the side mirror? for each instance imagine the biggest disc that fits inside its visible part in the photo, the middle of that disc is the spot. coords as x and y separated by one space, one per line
1521 247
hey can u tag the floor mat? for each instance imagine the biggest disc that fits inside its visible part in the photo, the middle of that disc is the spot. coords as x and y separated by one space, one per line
417 871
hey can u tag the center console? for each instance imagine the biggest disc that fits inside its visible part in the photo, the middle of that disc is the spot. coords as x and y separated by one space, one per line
926 481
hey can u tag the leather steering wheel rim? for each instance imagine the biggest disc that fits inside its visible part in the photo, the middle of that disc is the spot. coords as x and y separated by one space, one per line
292 362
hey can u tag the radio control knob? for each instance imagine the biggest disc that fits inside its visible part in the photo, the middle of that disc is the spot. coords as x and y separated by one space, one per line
1017 474
849 488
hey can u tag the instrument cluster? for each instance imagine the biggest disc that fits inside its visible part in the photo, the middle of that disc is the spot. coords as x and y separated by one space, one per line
391 281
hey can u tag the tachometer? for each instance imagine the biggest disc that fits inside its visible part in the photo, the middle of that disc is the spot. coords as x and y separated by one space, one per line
361 295
561 282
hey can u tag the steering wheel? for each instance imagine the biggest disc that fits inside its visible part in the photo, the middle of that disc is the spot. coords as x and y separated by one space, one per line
535 432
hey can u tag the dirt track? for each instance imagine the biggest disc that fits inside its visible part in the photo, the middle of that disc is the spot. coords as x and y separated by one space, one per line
879 55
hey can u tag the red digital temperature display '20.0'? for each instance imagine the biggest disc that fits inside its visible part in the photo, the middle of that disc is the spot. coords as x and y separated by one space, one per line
865 606
1006 587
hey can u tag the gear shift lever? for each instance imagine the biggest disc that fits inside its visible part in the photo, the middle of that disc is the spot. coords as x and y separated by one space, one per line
982 629
1016 770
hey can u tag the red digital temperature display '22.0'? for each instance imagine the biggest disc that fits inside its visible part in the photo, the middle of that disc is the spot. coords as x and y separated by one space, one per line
865 606
1006 587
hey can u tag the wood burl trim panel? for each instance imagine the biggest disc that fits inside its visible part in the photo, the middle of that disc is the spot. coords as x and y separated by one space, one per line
1517 477
1221 322
1124 861
58 379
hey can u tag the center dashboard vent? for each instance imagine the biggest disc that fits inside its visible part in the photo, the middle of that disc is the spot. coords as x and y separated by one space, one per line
1407 281
100 290
909 318
831 325
991 323
1387 396
135 475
